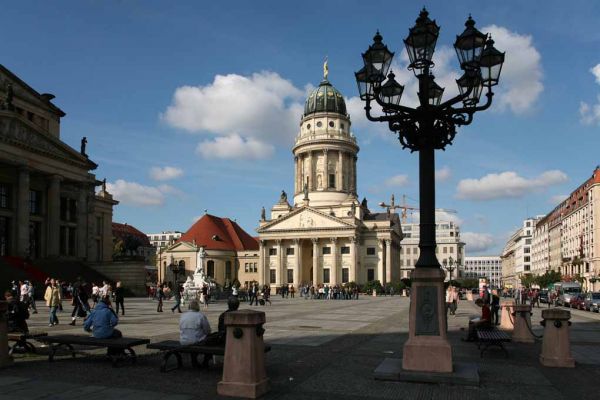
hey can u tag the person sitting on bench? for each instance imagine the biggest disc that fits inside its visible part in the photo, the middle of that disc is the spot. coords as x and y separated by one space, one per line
218 338
194 328
17 314
480 322
102 321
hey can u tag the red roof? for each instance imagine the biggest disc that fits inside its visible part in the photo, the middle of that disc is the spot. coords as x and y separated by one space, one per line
215 233
122 230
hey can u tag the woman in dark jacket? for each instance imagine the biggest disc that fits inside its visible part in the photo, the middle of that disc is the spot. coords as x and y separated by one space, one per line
120 298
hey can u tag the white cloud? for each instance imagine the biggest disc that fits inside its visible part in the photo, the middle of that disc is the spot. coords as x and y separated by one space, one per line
133 193
443 174
165 173
590 114
477 242
440 216
521 78
558 198
234 147
398 181
506 184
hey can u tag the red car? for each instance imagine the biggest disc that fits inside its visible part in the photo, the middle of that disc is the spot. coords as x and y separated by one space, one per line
578 302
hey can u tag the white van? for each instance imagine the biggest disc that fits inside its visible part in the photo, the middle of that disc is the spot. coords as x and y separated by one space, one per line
565 291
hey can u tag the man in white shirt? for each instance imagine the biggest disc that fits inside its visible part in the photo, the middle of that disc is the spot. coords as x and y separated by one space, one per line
193 325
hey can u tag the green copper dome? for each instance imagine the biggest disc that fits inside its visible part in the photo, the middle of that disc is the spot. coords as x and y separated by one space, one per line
325 98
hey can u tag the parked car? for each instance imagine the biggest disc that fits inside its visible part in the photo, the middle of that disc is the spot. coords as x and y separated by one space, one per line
543 296
565 292
591 301
577 301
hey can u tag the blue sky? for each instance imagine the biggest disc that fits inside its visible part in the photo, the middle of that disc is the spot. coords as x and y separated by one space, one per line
148 81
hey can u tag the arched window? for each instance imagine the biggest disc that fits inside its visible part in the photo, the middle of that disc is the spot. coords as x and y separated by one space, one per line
228 270
210 268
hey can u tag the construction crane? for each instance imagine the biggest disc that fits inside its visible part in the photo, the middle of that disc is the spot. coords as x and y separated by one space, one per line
392 207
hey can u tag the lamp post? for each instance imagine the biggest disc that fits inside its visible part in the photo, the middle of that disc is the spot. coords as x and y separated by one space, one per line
428 127
175 269
450 265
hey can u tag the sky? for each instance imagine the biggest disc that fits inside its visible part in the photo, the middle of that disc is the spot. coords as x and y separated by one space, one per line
191 106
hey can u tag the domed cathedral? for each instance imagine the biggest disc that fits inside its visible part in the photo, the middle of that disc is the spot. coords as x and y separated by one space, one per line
325 236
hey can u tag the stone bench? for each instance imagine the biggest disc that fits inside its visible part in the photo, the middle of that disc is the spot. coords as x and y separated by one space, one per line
22 341
174 348
492 337
118 349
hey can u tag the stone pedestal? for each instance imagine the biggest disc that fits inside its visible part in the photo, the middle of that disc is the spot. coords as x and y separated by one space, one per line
374 293
5 359
556 347
427 348
506 318
244 373
522 318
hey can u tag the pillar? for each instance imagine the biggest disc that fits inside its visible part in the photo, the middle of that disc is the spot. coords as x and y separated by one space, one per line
341 171
316 276
380 261
333 278
325 169
263 262
506 318
244 372
53 216
281 273
522 318
354 158
298 269
311 175
296 175
556 347
23 213
354 265
82 223
388 260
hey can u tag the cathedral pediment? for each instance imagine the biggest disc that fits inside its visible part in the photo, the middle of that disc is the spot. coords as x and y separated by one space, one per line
305 219
18 132
182 246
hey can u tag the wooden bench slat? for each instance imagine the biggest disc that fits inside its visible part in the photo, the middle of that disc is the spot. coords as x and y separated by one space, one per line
92 341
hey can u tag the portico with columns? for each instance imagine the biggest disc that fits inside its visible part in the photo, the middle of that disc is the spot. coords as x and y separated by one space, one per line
324 235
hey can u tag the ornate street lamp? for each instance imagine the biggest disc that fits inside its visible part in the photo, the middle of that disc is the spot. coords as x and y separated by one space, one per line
428 127
175 268
450 265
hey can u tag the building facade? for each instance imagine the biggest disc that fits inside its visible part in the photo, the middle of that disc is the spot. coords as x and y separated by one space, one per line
489 267
517 253
164 238
226 251
572 233
325 235
449 245
48 202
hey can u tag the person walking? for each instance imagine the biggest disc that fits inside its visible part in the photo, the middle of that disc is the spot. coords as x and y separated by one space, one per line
267 294
455 297
177 296
53 298
495 307
448 300
31 294
254 294
79 309
95 294
204 296
160 295
120 298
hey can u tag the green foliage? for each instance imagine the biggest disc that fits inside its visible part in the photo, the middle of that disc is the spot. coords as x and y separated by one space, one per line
369 286
406 282
468 283
548 279
528 280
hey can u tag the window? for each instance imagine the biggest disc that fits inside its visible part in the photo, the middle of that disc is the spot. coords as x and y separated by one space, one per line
4 196
290 276
370 251
4 226
99 226
331 124
370 274
289 251
332 181
254 269
445 250
326 250
228 271
415 250
35 202
210 268
345 250
345 275
326 275
246 267
68 209
272 276
72 237
272 251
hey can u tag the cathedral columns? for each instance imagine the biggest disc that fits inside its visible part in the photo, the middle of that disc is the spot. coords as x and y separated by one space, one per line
353 176
281 275
311 181
388 260
325 181
340 172
315 276
354 264
23 213
54 216
264 267
380 262
333 278
297 175
82 223
298 269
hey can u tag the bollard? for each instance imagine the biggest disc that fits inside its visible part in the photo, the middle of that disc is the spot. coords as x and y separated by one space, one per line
506 319
5 359
522 320
556 347
244 373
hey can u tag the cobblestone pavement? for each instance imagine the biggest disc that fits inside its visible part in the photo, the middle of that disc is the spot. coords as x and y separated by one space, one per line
320 349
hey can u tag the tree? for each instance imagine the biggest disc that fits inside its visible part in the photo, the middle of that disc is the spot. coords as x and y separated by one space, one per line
527 280
548 278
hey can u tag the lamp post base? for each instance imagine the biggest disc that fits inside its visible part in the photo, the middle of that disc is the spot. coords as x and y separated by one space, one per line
427 348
